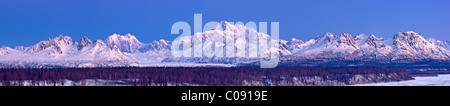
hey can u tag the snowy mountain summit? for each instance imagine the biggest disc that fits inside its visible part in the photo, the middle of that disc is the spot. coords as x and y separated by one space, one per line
404 48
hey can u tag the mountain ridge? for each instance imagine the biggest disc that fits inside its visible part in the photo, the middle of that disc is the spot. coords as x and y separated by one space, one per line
328 49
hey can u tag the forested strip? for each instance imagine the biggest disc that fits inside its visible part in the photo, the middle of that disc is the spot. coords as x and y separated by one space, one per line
215 76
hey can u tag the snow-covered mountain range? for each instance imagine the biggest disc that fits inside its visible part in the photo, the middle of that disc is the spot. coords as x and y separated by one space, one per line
403 48
406 48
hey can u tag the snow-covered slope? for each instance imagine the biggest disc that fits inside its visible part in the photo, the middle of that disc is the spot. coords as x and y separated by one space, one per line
127 43
406 47
412 46
126 50
238 37
62 51
332 46
62 45
440 80
373 48
295 44
444 44
5 50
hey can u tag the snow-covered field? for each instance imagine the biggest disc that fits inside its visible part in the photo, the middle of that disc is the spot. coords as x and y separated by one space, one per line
440 80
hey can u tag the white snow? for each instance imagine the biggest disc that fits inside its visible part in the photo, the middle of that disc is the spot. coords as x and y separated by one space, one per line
440 80
127 50
127 43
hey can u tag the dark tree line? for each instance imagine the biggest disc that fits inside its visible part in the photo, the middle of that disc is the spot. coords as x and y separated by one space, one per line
212 76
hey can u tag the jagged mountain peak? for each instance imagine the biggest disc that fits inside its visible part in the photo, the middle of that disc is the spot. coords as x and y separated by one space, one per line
64 40
293 44
85 38
116 38
85 41
4 50
411 45
373 36
162 41
160 45
5 47
294 40
325 38
57 44
346 34
21 48
331 46
347 39
371 39
376 43
405 47
126 43
410 33
411 39
225 26
329 35
100 43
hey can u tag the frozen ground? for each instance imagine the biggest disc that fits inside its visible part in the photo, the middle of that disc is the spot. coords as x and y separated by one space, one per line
441 80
